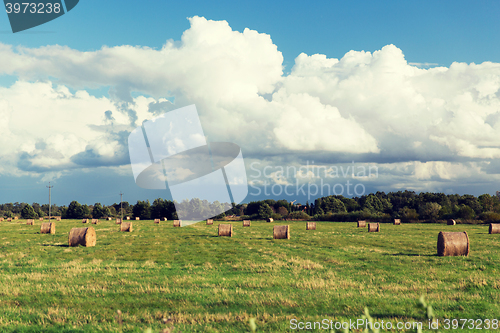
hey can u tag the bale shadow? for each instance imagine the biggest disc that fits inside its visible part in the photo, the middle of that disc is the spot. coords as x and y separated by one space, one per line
56 245
410 255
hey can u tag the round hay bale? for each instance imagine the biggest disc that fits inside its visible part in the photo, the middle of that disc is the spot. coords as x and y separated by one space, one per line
311 226
270 220
210 222
494 228
281 232
118 221
453 244
40 219
157 221
177 223
165 219
15 217
85 220
451 222
374 227
128 217
361 223
58 218
9 219
397 222
226 230
95 221
109 218
30 222
246 223
137 218
1 219
82 236
126 226
48 228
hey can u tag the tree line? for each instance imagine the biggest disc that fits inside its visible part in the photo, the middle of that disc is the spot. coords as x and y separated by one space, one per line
405 205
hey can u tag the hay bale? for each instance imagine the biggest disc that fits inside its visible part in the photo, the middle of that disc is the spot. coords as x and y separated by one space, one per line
177 223
165 219
453 244
246 223
82 236
58 218
118 221
9 219
95 221
15 217
128 217
226 230
494 228
270 220
1 219
48 228
210 222
310 225
451 222
361 223
40 219
85 220
30 222
397 222
374 227
126 226
281 232
137 218
157 221
109 218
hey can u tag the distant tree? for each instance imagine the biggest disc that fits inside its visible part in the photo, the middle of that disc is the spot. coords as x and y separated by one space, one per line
28 212
408 214
466 212
142 210
430 210
99 211
77 211
282 211
265 211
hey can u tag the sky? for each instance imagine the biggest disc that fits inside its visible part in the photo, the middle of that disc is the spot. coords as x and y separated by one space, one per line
334 97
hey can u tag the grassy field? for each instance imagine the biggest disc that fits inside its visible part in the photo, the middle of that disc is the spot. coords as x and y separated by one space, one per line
189 280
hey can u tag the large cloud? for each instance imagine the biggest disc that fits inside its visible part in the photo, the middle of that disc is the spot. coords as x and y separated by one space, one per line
367 106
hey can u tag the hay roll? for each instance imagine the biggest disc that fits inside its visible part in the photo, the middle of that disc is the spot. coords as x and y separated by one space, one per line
281 232
109 218
128 217
210 222
361 223
494 228
225 230
58 218
95 221
270 220
85 221
453 244
82 236
118 221
9 219
126 226
157 221
30 222
1 219
397 222
451 222
374 227
48 228
15 217
311 226
137 218
40 219
177 223
246 223
165 219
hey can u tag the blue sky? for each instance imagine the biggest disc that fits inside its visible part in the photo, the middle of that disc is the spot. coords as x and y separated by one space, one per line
431 126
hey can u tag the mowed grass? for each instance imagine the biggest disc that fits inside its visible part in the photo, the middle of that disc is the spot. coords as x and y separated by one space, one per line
187 278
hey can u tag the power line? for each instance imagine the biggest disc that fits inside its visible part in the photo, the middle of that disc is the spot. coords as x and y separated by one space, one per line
50 203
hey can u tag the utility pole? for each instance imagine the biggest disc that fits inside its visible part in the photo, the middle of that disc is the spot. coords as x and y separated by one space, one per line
50 203
121 204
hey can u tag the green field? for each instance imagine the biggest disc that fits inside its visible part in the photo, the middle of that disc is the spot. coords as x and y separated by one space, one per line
189 280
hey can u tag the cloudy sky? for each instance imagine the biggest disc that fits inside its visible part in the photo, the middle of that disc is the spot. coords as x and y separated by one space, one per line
339 95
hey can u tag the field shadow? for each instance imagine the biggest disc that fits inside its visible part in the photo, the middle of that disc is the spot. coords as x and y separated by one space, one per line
410 255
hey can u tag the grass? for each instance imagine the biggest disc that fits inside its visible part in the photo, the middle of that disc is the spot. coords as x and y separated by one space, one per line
188 279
